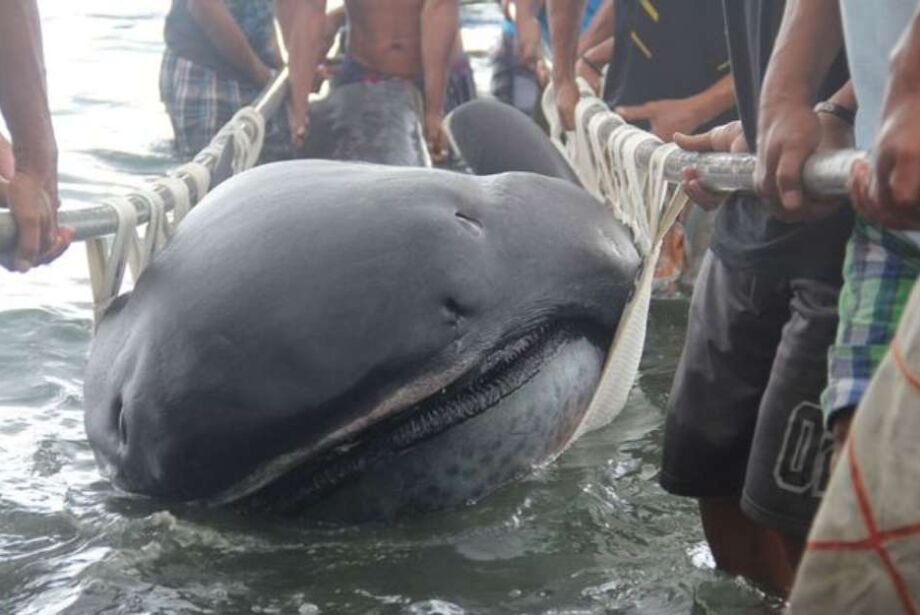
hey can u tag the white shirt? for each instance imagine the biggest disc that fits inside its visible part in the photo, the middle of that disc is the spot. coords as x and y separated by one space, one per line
872 28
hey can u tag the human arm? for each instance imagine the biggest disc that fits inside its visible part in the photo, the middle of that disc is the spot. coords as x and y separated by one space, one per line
591 63
564 18
527 32
789 129
335 21
834 134
599 30
221 29
683 115
892 197
440 26
32 192
726 138
302 26
7 162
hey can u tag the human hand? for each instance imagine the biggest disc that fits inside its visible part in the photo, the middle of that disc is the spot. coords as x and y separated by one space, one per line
590 73
298 114
260 73
567 96
726 138
529 42
891 195
790 134
435 137
34 210
334 22
665 117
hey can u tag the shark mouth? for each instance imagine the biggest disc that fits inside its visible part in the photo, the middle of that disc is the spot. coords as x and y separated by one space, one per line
505 371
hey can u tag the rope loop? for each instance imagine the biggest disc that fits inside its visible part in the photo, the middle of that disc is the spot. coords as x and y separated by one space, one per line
107 258
142 251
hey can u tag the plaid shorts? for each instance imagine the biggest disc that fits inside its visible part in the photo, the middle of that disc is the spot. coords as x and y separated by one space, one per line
879 273
200 102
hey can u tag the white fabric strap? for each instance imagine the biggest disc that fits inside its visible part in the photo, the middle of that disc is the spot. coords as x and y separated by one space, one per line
107 258
181 197
246 149
604 150
201 178
142 251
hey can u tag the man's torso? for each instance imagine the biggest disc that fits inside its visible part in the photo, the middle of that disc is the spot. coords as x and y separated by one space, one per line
386 37
665 49
185 37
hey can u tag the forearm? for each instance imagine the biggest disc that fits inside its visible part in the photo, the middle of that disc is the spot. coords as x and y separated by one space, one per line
564 18
845 97
599 30
905 59
599 55
23 93
809 40
525 10
715 100
302 25
224 33
440 26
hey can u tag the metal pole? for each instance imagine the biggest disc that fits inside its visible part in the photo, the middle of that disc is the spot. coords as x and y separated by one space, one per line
826 175
98 221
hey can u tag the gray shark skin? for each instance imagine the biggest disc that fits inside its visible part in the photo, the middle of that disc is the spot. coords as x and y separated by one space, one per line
496 138
358 341
368 122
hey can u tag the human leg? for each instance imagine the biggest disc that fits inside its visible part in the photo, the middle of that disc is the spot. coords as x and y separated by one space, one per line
790 453
735 326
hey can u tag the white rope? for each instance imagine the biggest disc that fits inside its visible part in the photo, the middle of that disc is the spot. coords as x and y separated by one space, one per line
142 250
107 258
201 177
181 196
603 150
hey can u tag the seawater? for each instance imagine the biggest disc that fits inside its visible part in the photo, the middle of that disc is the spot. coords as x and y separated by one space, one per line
593 533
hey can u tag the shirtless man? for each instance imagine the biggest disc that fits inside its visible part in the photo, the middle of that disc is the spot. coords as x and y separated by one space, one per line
409 39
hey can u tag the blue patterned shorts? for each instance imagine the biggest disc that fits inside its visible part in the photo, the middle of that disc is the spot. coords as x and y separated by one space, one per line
879 273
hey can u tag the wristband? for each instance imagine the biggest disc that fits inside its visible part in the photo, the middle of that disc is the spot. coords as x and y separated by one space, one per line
845 115
592 66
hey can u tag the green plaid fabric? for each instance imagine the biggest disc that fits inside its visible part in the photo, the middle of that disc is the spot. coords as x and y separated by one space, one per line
879 273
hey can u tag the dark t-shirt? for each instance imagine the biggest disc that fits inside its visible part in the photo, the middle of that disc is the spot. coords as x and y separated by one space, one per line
666 49
746 235
185 38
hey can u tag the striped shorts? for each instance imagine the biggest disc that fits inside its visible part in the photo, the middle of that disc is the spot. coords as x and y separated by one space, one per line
879 273
200 102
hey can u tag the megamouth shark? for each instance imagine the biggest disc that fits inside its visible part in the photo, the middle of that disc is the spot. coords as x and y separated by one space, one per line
357 341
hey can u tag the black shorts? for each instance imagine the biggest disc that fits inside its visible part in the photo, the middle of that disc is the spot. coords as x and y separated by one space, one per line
744 416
